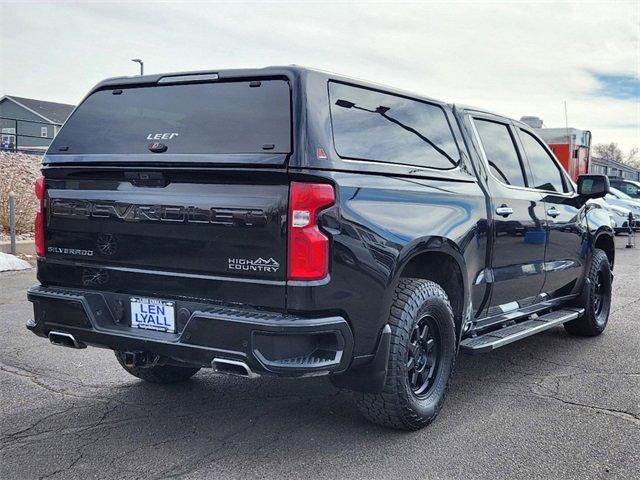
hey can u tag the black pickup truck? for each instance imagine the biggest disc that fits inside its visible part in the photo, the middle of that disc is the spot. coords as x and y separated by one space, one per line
287 221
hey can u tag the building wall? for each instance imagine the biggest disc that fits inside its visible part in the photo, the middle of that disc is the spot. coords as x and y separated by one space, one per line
614 169
43 132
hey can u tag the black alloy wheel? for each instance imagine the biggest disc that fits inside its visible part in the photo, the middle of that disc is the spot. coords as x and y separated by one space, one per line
423 348
598 294
595 298
423 355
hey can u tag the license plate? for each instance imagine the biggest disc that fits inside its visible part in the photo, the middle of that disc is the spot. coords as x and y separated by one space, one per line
153 314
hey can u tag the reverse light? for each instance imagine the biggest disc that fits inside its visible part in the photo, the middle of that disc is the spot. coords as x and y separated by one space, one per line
39 223
308 246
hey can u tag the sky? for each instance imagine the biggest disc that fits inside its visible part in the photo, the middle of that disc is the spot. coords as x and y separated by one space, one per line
514 58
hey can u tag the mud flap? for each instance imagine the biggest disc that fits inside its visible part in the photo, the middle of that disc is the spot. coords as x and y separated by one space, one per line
370 377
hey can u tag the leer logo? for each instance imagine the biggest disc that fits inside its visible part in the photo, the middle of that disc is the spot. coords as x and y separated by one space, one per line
258 265
162 136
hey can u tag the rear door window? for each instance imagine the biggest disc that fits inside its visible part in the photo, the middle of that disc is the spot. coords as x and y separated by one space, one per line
500 150
238 117
375 126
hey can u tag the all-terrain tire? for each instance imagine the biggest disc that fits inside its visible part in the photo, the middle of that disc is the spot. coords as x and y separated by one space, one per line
158 373
595 298
398 405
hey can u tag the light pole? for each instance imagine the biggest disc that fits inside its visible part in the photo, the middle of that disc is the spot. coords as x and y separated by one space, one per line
137 60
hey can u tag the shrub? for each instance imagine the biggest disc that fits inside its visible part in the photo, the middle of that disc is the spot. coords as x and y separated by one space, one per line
18 173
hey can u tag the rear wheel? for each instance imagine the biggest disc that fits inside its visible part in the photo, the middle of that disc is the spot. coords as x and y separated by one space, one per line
421 358
595 298
158 373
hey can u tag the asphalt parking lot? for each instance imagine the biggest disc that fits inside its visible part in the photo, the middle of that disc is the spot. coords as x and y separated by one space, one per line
551 406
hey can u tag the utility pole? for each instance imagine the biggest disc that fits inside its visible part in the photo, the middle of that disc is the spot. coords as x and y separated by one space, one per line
137 60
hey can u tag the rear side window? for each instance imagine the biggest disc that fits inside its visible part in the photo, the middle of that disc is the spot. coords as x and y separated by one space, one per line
206 118
369 125
500 149
546 173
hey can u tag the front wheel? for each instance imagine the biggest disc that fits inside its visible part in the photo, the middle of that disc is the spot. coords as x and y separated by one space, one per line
421 358
595 298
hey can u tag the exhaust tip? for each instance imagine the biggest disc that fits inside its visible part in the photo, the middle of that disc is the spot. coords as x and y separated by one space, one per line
65 339
233 367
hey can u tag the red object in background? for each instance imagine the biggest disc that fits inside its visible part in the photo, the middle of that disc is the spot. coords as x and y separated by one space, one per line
574 158
571 147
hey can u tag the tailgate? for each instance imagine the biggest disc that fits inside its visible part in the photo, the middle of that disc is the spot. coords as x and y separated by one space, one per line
214 235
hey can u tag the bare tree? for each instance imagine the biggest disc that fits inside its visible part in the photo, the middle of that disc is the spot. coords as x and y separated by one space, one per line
611 151
608 151
633 158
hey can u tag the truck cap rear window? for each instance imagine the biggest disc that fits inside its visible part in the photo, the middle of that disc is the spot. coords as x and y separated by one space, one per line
239 117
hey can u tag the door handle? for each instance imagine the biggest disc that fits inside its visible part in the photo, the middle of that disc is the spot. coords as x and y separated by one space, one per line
504 210
553 212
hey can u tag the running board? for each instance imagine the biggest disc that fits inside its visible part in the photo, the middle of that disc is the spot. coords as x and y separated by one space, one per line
513 333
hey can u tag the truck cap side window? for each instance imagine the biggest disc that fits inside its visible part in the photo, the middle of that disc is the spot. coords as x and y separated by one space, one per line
375 126
501 152
546 174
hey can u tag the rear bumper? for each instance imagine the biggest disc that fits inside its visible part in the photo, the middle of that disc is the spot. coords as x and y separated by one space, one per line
267 342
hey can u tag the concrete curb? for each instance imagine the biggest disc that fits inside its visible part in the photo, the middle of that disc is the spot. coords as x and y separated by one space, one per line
24 247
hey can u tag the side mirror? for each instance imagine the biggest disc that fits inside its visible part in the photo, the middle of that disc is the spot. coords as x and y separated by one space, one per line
593 186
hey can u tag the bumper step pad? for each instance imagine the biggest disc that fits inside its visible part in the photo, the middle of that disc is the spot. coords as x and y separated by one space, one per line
492 340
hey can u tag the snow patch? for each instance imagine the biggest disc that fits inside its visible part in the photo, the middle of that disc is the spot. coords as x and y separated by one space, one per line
10 262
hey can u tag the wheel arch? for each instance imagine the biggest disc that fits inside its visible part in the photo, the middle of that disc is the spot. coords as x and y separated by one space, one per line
605 241
438 259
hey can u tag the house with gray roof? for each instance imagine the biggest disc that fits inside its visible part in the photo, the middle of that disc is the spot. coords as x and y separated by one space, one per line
30 124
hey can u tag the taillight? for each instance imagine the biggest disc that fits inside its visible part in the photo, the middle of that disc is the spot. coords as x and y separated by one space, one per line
39 224
308 246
